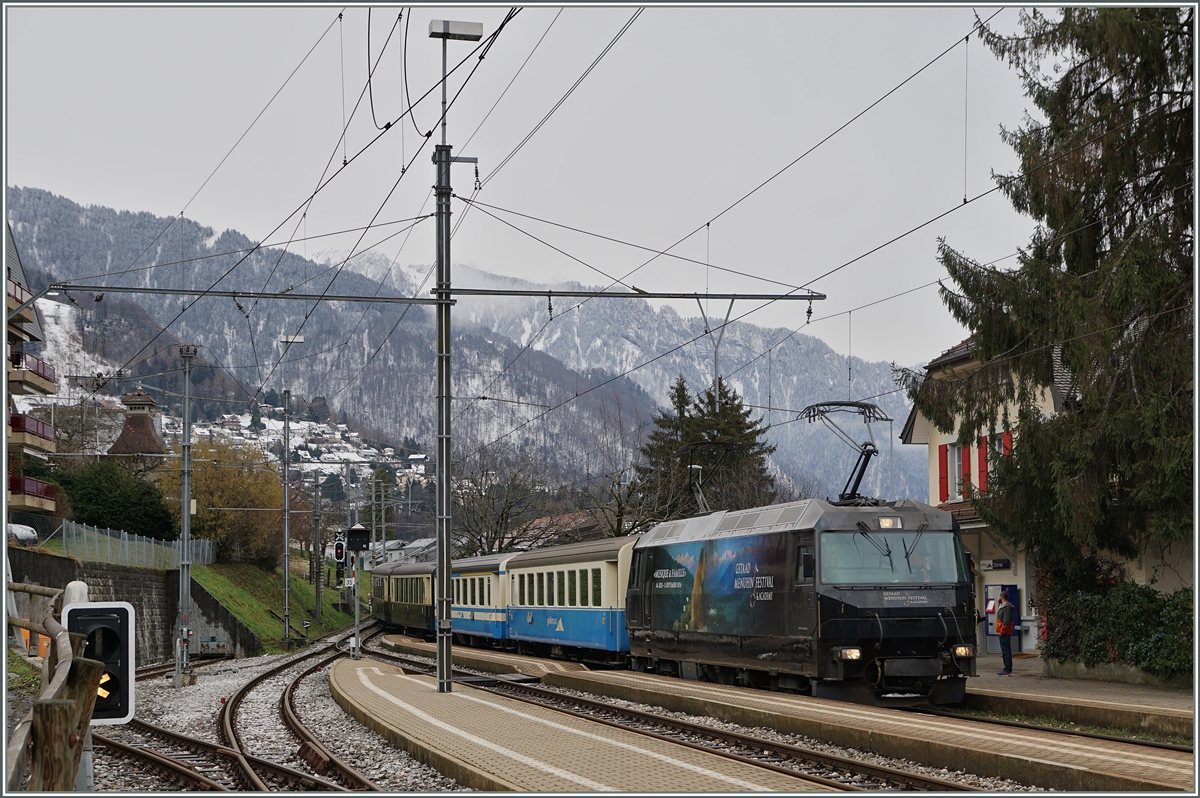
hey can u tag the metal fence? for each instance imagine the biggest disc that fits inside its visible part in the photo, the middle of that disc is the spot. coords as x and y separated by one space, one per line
46 525
121 548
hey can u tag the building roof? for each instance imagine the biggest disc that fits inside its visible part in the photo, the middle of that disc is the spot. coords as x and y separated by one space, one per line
138 398
16 273
138 436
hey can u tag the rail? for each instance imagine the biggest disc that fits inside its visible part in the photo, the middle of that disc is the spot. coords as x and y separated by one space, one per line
18 292
49 739
26 362
23 423
31 487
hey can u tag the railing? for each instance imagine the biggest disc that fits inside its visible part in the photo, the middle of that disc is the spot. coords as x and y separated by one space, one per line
18 292
26 362
46 741
121 548
31 487
23 423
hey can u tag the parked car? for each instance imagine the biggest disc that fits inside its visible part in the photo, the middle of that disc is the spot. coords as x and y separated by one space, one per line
22 535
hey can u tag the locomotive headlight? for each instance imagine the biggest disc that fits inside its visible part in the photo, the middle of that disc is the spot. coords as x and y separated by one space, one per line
848 653
964 651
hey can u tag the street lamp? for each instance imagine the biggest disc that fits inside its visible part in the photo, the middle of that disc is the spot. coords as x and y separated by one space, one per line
464 31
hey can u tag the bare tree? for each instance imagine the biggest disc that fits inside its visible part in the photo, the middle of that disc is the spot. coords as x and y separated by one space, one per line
614 493
499 495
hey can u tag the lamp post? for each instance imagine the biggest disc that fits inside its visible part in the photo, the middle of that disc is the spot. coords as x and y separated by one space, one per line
287 341
473 32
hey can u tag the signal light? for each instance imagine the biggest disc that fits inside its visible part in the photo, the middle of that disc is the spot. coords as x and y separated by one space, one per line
109 629
339 551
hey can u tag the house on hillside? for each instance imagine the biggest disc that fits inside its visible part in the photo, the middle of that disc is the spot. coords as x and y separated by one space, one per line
959 469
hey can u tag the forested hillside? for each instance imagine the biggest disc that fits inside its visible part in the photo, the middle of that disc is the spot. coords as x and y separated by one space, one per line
376 362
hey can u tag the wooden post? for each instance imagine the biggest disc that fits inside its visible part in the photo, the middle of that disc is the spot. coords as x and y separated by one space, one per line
82 683
54 738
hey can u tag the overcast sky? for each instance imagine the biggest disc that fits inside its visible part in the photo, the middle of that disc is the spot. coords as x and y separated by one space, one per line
691 109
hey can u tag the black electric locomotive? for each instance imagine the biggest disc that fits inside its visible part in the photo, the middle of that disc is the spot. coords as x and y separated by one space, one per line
863 603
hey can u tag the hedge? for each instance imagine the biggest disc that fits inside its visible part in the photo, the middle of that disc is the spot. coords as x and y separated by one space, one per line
1127 624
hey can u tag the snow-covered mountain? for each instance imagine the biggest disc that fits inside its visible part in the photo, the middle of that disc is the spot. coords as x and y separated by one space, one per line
550 385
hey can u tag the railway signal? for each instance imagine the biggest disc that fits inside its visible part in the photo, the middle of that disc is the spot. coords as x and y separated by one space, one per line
339 551
109 629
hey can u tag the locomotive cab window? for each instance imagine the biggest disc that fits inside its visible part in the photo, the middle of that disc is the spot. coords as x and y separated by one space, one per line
806 566
868 556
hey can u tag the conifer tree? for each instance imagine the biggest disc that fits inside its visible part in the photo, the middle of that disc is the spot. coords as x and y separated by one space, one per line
1099 304
716 432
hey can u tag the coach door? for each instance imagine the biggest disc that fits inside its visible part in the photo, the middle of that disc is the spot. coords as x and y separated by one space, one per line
637 601
803 614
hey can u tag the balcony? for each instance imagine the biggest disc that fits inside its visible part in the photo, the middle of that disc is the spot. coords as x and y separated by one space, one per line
29 431
17 296
30 495
30 375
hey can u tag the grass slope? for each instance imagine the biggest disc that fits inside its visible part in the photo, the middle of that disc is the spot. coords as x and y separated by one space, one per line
251 594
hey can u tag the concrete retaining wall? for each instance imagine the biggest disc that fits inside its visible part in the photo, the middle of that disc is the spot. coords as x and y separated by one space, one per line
154 595
1112 672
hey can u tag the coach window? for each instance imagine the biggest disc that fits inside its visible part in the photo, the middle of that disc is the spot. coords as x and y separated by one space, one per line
521 588
541 582
583 587
472 581
562 589
487 582
549 588
571 588
596 587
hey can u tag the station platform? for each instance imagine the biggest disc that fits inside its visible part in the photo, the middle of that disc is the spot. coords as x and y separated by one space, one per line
1110 704
481 659
1028 756
492 743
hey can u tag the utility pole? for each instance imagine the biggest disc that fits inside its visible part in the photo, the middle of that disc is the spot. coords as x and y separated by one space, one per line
318 547
287 341
467 31
186 352
287 514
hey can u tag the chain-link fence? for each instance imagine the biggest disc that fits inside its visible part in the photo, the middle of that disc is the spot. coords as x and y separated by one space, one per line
121 548
45 525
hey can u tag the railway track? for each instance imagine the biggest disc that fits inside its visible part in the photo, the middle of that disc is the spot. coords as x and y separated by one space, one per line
208 766
163 668
195 764
311 750
841 773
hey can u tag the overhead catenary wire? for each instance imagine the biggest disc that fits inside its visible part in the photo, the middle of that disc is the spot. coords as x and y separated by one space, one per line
978 25
1002 184
299 208
563 99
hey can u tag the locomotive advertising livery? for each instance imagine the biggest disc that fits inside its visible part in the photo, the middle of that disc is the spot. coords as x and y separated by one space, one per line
868 602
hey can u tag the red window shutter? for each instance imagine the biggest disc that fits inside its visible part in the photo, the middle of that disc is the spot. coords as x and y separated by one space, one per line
1006 444
983 464
943 473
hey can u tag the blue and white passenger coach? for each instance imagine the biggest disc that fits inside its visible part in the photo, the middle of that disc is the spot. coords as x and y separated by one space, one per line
569 601
479 610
